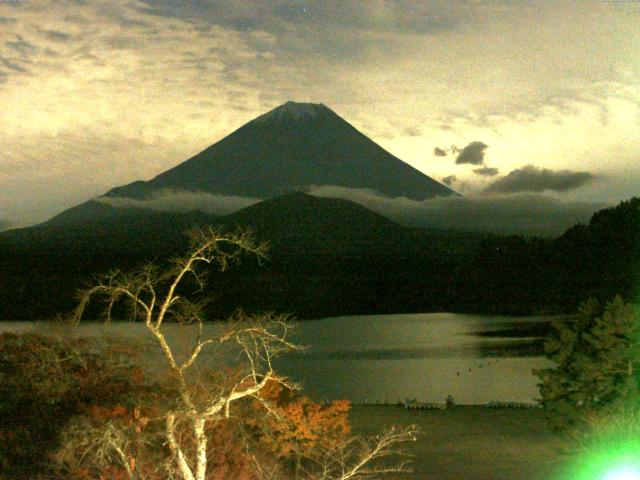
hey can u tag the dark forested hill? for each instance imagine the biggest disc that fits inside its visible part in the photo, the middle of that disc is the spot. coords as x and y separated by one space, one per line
334 257
327 256
521 275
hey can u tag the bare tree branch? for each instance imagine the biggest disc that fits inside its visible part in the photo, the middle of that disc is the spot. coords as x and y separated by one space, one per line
151 295
259 337
361 458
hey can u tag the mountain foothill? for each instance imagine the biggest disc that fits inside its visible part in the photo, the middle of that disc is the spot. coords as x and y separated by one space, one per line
328 256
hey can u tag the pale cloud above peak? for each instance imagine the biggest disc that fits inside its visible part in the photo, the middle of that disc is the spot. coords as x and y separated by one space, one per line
533 179
552 84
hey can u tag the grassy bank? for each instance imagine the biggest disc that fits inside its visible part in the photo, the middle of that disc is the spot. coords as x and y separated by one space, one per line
471 442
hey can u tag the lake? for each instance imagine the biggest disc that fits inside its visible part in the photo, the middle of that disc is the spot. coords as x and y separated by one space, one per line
388 358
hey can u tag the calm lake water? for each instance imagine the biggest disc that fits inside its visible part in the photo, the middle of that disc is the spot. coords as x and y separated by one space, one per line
383 358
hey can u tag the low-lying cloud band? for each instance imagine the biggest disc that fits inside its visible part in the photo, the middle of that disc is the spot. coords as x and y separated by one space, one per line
534 179
521 213
183 201
524 213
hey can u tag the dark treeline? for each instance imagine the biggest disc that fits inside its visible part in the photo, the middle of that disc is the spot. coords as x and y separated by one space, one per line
337 261
520 275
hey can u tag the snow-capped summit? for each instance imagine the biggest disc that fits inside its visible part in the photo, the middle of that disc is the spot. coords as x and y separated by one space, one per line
291 148
294 111
294 147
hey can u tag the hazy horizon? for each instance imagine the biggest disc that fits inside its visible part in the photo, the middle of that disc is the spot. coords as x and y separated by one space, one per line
538 98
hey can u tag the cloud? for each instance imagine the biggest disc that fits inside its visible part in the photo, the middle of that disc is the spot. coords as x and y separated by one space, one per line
183 201
248 15
486 171
534 179
449 180
12 65
525 214
55 35
439 152
412 132
5 225
472 153
20 45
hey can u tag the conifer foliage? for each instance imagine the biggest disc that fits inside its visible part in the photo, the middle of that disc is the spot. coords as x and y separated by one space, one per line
596 356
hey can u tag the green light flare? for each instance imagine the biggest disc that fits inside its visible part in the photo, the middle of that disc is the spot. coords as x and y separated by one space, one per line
608 460
624 472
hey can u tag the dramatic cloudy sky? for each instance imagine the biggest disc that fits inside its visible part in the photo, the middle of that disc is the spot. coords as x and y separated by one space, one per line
496 98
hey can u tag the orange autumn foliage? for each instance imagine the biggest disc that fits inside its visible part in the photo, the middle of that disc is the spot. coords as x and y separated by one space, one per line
89 392
227 457
46 382
301 426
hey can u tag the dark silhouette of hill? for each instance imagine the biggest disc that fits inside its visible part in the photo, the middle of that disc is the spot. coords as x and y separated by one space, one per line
602 259
334 257
90 211
292 223
292 148
327 256
310 225
522 275
131 233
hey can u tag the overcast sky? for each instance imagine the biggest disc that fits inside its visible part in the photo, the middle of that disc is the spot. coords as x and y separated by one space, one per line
494 97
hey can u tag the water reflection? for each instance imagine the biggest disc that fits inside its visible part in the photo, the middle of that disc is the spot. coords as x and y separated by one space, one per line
388 357
424 356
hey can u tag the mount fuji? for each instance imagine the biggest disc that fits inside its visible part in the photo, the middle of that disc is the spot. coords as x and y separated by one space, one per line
294 147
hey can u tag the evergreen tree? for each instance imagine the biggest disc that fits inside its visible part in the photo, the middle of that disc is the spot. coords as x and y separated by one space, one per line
597 363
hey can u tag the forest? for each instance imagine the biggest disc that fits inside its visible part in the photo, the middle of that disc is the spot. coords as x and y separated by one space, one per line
339 268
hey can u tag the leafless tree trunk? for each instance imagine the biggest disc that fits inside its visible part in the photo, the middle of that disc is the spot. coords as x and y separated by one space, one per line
152 296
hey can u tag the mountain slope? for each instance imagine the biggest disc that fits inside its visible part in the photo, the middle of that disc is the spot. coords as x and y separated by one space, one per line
291 148
305 223
137 233
294 147
296 222
327 256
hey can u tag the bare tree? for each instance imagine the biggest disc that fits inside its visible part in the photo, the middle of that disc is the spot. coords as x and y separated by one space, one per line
363 458
153 297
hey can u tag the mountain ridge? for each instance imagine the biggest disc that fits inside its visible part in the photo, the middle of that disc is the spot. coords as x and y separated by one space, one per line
283 151
293 147
320 249
312 223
